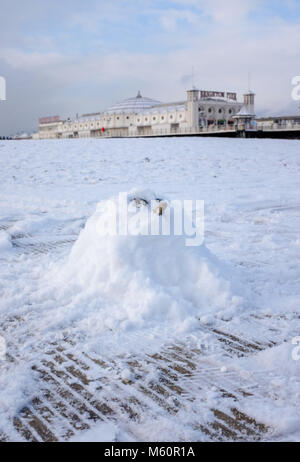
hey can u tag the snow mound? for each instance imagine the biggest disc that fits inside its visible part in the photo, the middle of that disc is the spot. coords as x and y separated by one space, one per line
5 241
139 281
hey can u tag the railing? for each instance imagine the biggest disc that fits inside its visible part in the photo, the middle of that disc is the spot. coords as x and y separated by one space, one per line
203 130
166 132
211 129
279 126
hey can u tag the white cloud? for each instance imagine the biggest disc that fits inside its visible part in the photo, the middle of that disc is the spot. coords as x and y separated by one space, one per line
19 59
229 12
216 38
170 18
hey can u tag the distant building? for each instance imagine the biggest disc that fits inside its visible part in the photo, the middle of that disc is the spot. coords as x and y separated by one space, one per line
278 122
145 116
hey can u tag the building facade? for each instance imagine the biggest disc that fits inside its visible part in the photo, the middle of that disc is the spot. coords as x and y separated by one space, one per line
142 116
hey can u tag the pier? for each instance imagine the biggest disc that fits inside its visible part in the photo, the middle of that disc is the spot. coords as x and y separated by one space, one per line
291 131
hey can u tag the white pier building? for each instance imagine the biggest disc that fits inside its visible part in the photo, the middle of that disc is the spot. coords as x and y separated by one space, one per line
142 116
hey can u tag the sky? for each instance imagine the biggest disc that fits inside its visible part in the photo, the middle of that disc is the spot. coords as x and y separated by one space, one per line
68 57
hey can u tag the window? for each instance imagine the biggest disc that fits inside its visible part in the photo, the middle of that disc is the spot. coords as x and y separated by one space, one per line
118 118
146 119
154 118
162 117
230 111
220 111
171 117
127 117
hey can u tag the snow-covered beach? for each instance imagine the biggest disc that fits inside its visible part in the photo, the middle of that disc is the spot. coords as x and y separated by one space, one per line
209 331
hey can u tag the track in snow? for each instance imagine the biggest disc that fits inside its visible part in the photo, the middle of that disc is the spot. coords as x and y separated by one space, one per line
168 389
77 390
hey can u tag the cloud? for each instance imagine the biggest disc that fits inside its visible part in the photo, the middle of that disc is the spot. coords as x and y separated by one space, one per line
169 19
229 13
83 59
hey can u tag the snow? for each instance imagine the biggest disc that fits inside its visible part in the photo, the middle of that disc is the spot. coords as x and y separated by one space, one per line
127 375
128 294
283 389
102 432
5 241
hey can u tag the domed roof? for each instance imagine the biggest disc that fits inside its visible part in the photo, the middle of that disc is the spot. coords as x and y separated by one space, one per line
136 104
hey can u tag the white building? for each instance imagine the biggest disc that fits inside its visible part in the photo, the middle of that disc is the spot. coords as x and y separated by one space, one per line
142 116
